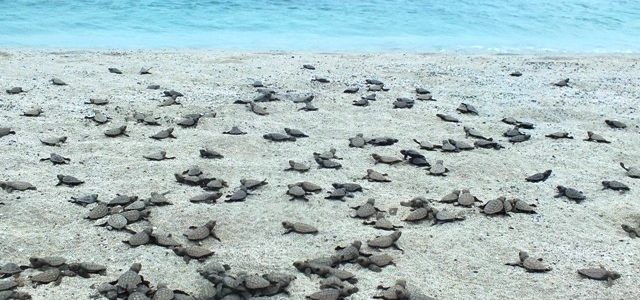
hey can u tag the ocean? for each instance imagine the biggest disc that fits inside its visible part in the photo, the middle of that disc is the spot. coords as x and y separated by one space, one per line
516 26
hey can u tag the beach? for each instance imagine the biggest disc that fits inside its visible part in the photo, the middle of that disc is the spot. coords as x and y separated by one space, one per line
458 260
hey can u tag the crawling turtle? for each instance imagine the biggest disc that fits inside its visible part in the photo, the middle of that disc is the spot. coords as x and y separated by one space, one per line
487 144
438 169
570 193
386 241
206 198
198 233
382 141
308 186
153 87
238 195
599 274
358 141
338 194
172 93
461 145
375 176
414 157
327 163
297 192
594 137
385 159
169 101
117 222
424 145
615 185
32 112
164 240
308 67
350 187
447 118
257 109
308 106
539 177
451 197
97 212
633 172
47 262
140 238
15 90
130 279
520 206
97 101
115 71
515 131
466 199
98 117
118 131
10 269
4 131
633 232
279 137
57 81
562 83
326 294
403 103
164 134
85 200
420 213
158 155
296 166
515 74
158 199
498 206
145 71
210 153
398 291
447 146
376 262
56 159
235 130
615 124
329 154
11 186
348 253
361 102
193 252
366 210
559 135
252 184
8 284
47 276
190 120
298 228
530 264
351 90
382 223
295 133
466 108
519 138
445 216
320 79
68 180
475 133
85 269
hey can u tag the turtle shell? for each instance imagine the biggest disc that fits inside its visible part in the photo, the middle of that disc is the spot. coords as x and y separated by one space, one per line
494 206
10 269
466 199
47 276
197 233
304 228
163 293
140 238
417 215
165 240
325 294
197 252
534 265
117 221
98 212
130 279
51 261
595 273
8 284
254 282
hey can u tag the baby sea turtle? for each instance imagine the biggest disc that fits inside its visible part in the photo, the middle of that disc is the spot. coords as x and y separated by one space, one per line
158 155
238 195
382 223
447 118
382 141
403 103
97 212
57 81
599 274
338 194
140 238
445 216
358 141
385 159
8 284
615 124
4 131
562 83
515 74
351 90
496 206
115 71
475 133
424 145
172 93
15 90
348 253
68 180
366 210
296 166
298 228
169 101
308 67
234 131
118 131
539 177
633 232
376 262
386 241
210 153
85 269
360 102
215 184
415 158
398 291
520 206
420 213
145 71
594 137
198 233
570 193
257 109
164 240
46 262
10 269
515 131
56 159
164 134
327 163
467 109
375 176
487 144
529 263
438 169
190 120
559 135
295 132
193 252
320 79
308 106
98 117
85 200
97 101
252 184
117 222
47 276
461 145
158 199
517 123
297 192
466 199
350 187
519 138
206 198
10 186
329 154
447 146
615 185
153 87
326 294
633 172
33 112
279 137
130 279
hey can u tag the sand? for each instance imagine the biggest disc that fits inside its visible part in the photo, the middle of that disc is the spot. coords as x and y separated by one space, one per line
463 260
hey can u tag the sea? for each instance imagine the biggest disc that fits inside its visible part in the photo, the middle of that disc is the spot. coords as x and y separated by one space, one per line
511 26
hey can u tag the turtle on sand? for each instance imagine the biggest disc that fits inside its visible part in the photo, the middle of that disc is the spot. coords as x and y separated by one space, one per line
295 132
438 169
615 124
570 193
97 101
98 117
252 184
68 180
539 177
296 166
4 131
615 185
382 223
198 233
562 83
366 210
298 228
447 118
57 81
164 134
235 130
56 159
193 252
210 153
559 135
11 186
257 109
118 131
389 160
238 195
115 70
424 145
594 137
15 90
633 172
85 200
33 112
599 274
297 192
375 176
466 108
358 141
530 264
158 155
140 238
279 137
145 71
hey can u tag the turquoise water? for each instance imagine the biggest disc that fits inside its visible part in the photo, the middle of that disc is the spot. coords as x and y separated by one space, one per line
325 25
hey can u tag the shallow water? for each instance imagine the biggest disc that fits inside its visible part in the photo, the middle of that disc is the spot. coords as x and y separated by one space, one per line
325 25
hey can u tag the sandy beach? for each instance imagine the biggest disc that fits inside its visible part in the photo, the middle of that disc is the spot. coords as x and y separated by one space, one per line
459 260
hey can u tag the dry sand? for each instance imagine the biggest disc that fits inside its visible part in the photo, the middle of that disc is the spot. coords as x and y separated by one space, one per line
463 260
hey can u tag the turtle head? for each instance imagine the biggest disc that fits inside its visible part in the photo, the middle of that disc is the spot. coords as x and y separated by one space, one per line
63 139
376 156
523 255
363 261
614 275
371 201
148 230
287 224
60 177
357 244
401 282
136 267
211 224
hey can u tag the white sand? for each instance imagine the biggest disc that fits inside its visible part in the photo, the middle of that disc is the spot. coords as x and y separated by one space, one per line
464 260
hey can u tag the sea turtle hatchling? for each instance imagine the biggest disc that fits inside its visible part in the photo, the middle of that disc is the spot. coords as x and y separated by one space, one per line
438 169
633 172
206 198
529 263
130 279
539 177
296 166
210 153
298 228
466 199
358 141
570 193
47 276
375 176
559 135
97 212
398 291
8 284
382 223
15 90
252 184
562 83
279 137
475 133
115 71
360 102
615 185
447 118
466 108
47 262
615 124
594 137
235 130
193 252
164 134
98 117
4 131
190 120
308 106
424 145
117 222
238 195
32 112
10 186
382 141
445 216
308 186
599 274
257 109
487 144
327 163
115 132
389 160
158 155
519 138
403 103
85 269
297 192
85 200
10 269
145 70
295 133
338 194
169 101
140 238
198 233
351 90
56 159
57 81
97 101
366 210
54 141
496 206
68 180
376 262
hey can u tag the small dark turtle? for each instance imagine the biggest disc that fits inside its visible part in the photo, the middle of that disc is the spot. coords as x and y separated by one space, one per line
98 212
599 274
594 137
118 131
338 194
520 206
153 87
210 153
320 79
15 90
279 137
84 200
447 118
467 109
122 200
85 269
252 184
559 135
562 83
206 198
11 186
615 124
461 145
295 133
47 276
4 131
130 279
193 252
158 199
68 180
46 262
466 199
296 166
298 228
385 159
358 141
57 81
349 253
382 223
382 141
530 264
633 172
425 145
350 187
308 67
158 155
374 88
615 185
99 117
475 133
327 163
351 90
329 154
447 146
145 71
215 184
366 210
172 93
234 131
419 214
495 207
360 102
117 222
56 159
164 240
97 101
8 284
451 197
169 101
386 241
115 71
515 74
240 194
140 238
164 134
398 291
438 169
570 193
376 262
10 269
190 120
487 144
515 131
297 192
33 112
54 141
257 109
308 107
539 177
446 216
257 84
326 294
632 231
375 176
403 103
198 233
519 138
